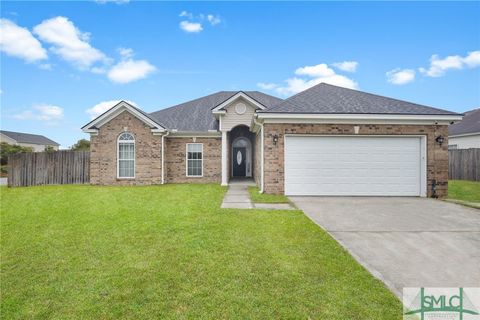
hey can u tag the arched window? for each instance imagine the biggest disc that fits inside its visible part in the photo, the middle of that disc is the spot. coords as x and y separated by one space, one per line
126 156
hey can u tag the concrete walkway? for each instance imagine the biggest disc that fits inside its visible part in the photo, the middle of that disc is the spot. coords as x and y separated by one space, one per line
405 242
237 197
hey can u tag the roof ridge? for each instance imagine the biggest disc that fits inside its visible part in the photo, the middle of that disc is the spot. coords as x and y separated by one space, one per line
189 101
324 84
32 134
385 97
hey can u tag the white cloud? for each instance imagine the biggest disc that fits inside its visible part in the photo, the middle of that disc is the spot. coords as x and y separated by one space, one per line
311 76
69 42
125 52
186 14
267 86
194 23
214 20
103 106
191 27
19 42
439 66
319 70
348 66
472 60
46 113
130 70
399 76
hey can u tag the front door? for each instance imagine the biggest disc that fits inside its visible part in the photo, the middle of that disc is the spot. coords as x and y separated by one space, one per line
239 163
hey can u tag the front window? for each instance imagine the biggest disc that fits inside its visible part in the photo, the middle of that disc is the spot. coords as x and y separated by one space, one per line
194 159
126 156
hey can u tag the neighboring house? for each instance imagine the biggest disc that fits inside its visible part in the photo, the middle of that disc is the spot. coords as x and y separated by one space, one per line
326 140
35 141
466 133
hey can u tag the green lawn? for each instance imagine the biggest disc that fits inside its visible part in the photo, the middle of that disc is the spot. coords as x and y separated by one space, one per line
163 252
464 190
266 198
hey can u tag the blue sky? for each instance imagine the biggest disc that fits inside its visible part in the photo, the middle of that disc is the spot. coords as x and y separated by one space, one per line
63 62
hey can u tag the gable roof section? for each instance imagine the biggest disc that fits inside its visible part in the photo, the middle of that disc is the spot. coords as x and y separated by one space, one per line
111 113
196 115
249 96
469 125
329 99
21 137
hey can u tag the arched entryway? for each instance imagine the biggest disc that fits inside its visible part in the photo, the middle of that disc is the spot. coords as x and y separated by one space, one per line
241 157
241 152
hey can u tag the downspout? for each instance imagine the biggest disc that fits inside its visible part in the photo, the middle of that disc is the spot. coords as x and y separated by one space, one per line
163 156
261 152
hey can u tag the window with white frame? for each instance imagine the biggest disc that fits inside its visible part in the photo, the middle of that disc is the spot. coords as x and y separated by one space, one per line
126 156
194 159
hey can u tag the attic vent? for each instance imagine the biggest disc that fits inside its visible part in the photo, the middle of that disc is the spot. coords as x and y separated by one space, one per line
240 108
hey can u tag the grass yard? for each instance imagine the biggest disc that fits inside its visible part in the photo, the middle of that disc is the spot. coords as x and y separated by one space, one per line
464 190
163 252
265 198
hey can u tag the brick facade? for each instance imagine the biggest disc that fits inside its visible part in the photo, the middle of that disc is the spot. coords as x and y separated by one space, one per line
148 148
148 165
175 160
437 156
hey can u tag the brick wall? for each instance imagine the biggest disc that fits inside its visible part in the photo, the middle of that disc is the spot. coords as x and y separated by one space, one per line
175 160
437 156
148 163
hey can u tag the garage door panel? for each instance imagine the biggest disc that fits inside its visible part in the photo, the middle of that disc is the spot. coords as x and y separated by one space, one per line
352 165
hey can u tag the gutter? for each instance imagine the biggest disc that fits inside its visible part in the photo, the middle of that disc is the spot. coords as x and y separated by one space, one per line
163 156
464 135
260 124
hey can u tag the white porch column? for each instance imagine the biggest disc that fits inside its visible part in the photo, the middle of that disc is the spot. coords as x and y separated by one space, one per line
224 159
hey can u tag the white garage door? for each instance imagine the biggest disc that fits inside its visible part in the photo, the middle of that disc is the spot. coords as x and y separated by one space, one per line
353 165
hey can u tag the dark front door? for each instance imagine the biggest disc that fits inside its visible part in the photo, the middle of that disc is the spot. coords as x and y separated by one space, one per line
238 159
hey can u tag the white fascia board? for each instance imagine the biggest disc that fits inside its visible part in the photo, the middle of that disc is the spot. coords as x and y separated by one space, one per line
357 118
115 111
465 135
233 98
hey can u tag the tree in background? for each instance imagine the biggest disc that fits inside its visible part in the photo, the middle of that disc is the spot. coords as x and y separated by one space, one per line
8 149
81 145
49 149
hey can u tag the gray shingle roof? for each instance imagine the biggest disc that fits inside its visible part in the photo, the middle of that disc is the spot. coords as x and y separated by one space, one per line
326 98
29 138
196 115
469 124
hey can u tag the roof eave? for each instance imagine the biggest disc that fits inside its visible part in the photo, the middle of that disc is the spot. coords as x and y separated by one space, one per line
92 126
378 118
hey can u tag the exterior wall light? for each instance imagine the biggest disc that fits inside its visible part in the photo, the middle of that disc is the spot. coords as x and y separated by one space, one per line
275 139
440 139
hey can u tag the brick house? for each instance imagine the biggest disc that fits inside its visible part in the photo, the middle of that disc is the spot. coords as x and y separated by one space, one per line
326 140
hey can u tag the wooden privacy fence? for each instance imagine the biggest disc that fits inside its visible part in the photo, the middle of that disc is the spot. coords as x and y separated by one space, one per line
38 168
464 164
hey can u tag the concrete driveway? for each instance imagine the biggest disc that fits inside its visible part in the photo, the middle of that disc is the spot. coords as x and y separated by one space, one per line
405 242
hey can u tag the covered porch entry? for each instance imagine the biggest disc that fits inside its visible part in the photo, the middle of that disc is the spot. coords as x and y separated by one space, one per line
238 154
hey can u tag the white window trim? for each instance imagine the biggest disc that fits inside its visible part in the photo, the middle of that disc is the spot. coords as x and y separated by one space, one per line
186 161
134 156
